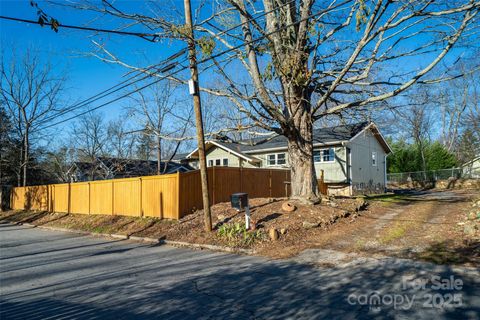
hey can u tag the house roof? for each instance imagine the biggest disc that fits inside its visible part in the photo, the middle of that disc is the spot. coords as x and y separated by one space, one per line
477 158
129 167
321 136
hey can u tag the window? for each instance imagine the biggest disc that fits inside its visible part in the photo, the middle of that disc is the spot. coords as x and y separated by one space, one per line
324 155
218 162
374 158
276 159
328 155
272 159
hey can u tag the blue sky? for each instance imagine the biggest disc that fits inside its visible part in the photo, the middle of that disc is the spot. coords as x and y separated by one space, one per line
88 75
66 49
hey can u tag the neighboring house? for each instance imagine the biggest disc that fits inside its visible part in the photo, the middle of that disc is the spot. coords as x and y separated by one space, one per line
352 157
471 169
114 168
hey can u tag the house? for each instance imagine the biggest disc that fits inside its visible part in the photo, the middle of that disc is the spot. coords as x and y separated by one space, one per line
352 157
115 168
471 169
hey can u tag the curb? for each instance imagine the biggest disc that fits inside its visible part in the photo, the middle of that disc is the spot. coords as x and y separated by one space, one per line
207 246
64 230
147 240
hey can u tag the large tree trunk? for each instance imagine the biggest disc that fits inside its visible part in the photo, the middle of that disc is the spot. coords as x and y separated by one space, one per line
304 185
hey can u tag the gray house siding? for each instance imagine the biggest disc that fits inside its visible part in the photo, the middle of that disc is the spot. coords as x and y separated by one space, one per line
233 160
367 177
334 172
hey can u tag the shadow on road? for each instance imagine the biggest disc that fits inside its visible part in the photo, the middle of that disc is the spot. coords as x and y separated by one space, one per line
122 281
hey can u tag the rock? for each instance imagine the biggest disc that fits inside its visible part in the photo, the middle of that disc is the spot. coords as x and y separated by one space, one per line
273 233
472 215
253 224
360 204
310 225
332 204
469 229
283 231
288 207
344 214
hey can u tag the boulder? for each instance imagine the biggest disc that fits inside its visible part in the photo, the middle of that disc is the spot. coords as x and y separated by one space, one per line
310 225
273 233
360 204
469 229
288 207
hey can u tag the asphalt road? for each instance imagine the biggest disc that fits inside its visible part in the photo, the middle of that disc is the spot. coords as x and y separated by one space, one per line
53 275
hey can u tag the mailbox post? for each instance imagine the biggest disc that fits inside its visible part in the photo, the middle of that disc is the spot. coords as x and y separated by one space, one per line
239 201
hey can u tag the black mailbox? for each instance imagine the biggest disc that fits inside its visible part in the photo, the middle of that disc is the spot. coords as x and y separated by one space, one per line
239 200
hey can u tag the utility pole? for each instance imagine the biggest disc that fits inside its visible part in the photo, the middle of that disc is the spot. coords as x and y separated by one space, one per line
194 90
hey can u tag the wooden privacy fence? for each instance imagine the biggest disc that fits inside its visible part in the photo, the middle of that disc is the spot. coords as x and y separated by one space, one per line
167 196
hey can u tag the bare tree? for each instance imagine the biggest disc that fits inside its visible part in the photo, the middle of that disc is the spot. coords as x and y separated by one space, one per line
120 144
89 137
307 60
30 91
165 116
416 121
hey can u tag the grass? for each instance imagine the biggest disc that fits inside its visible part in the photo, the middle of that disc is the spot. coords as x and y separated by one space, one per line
393 233
387 198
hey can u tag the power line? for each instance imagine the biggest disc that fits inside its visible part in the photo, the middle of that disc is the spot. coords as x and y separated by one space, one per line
174 56
142 35
184 68
120 85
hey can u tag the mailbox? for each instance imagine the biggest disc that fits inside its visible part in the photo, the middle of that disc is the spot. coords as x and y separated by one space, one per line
239 201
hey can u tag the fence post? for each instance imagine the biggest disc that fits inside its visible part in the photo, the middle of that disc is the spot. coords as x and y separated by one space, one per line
89 199
270 183
179 214
113 198
69 198
240 172
141 208
213 185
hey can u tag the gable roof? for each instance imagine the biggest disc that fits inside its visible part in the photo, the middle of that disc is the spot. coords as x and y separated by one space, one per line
227 146
321 136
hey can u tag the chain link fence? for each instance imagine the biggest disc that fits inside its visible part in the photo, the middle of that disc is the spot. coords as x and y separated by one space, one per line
434 175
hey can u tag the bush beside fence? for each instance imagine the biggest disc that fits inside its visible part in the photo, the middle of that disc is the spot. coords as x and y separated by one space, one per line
166 196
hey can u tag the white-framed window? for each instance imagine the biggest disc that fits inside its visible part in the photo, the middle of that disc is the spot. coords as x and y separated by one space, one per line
324 155
218 162
276 159
374 158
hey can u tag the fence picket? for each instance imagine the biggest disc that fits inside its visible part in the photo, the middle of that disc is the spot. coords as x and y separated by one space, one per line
166 196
